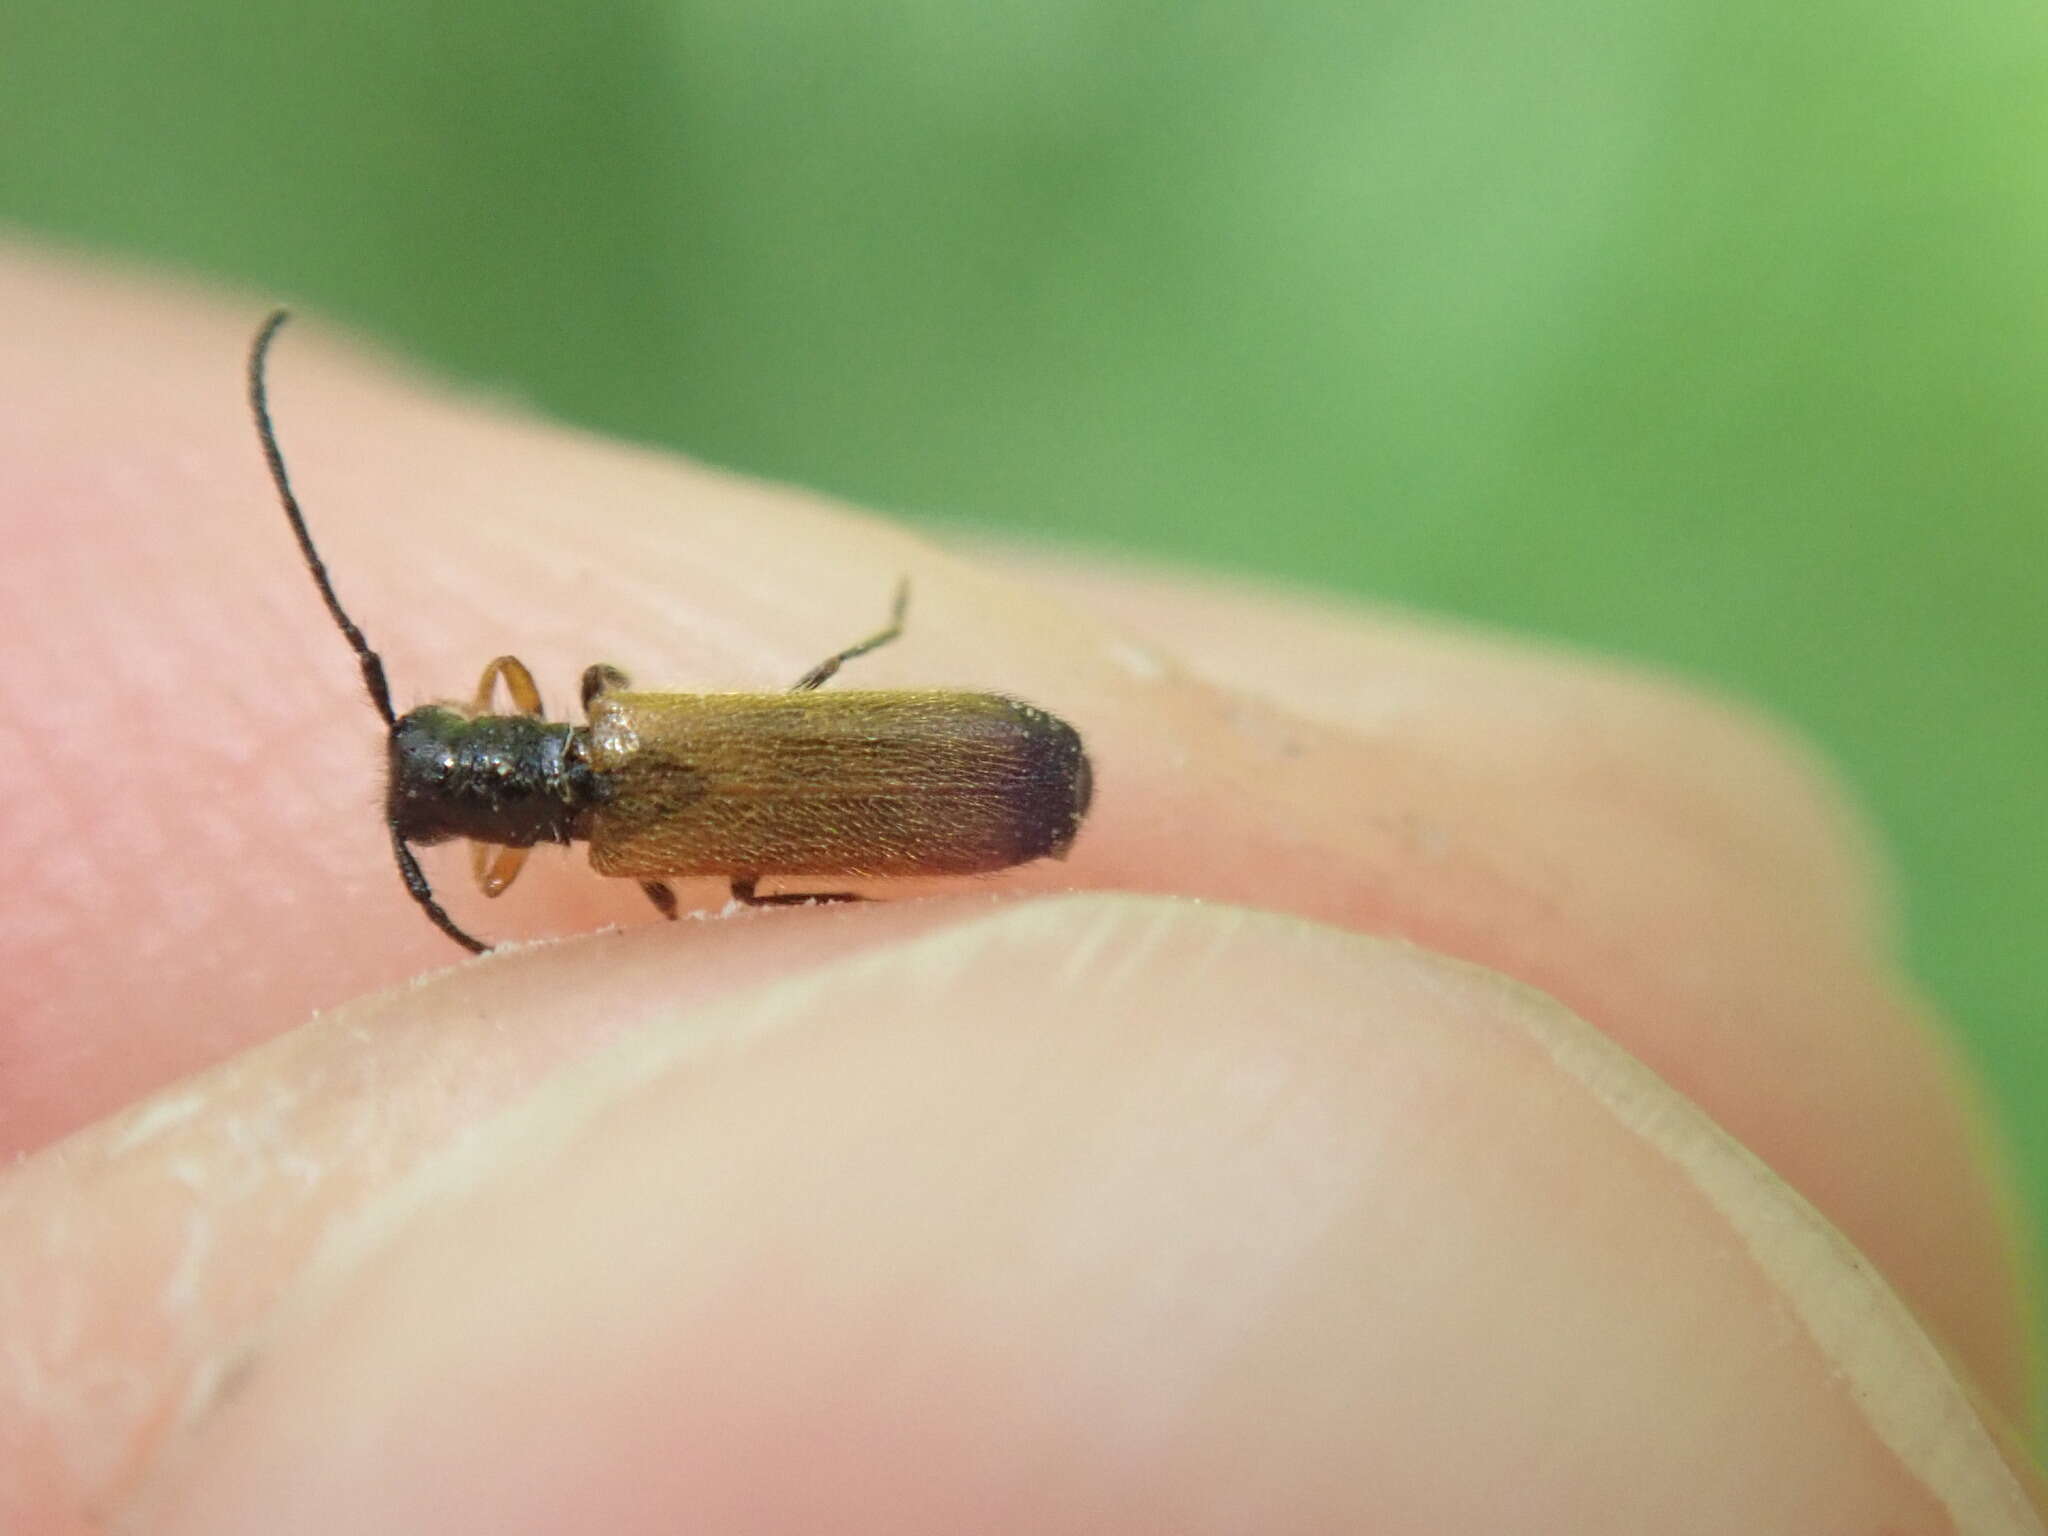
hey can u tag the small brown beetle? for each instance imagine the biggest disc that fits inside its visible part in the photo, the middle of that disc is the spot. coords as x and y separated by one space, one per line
734 785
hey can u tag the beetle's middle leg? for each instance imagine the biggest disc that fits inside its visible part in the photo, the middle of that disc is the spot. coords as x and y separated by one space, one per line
831 664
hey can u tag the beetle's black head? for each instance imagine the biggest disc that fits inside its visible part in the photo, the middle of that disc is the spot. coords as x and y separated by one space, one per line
508 779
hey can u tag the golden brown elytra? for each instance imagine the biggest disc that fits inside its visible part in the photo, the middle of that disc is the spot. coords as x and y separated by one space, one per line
736 785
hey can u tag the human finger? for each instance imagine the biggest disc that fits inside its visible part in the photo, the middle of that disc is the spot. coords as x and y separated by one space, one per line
1096 1213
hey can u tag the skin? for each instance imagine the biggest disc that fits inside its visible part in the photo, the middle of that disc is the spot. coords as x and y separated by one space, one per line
1528 1126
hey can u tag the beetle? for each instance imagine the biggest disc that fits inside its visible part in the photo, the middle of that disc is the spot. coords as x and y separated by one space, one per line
736 785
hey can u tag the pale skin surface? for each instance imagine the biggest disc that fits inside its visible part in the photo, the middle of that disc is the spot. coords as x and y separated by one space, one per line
970 1212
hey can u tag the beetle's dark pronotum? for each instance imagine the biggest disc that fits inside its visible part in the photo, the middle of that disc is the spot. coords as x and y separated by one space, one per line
740 786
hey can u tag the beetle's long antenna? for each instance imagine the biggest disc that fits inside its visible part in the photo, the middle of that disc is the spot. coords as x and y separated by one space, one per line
259 403
372 664
416 882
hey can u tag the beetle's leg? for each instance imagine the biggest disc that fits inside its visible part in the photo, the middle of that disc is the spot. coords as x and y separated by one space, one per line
518 682
743 893
495 866
663 898
882 637
599 680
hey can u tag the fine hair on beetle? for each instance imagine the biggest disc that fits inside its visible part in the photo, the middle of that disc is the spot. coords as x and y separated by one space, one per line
736 786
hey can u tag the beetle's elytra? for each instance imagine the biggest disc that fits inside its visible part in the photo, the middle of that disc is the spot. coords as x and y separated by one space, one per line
740 786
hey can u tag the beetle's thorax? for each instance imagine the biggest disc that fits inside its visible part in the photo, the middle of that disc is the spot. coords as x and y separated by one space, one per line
509 779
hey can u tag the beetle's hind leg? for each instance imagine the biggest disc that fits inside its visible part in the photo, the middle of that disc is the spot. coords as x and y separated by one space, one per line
743 893
831 664
663 898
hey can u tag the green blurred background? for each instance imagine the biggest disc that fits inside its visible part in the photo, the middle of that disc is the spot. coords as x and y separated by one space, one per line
1712 334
